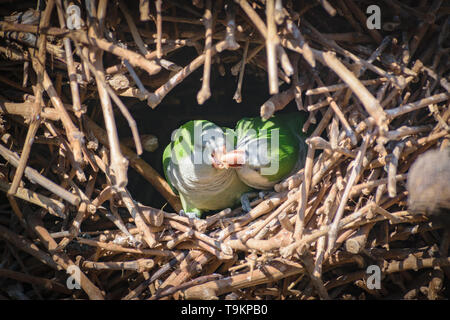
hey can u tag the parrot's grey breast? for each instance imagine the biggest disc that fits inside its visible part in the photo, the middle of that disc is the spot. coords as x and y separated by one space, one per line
204 186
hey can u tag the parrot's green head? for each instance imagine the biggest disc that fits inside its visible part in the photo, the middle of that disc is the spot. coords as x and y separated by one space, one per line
258 145
204 144
267 150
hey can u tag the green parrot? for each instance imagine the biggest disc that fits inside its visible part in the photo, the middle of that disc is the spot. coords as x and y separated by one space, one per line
267 151
194 168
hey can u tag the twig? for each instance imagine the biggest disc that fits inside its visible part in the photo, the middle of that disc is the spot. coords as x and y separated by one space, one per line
437 98
254 17
140 265
71 71
340 86
205 91
271 42
231 26
35 120
155 98
306 50
268 273
118 248
362 19
53 206
392 169
161 271
238 94
132 123
142 167
35 177
277 102
320 143
328 7
337 111
62 259
186 285
134 58
27 246
357 164
45 283
158 5
357 242
316 280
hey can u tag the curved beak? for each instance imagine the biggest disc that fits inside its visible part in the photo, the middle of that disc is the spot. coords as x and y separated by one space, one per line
225 160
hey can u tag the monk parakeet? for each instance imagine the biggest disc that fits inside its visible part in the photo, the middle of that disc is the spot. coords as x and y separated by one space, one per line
268 150
196 167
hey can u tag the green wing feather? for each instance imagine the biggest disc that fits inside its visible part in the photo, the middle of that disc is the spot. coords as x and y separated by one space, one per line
167 157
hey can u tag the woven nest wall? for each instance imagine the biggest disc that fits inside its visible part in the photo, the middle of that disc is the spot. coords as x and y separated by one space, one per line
90 92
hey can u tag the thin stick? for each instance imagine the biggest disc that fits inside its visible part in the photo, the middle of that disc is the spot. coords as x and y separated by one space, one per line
392 169
288 250
158 5
155 98
238 94
186 285
118 248
142 167
269 273
134 58
45 283
320 143
368 100
27 246
272 69
259 23
357 163
119 164
337 111
340 86
63 260
277 102
437 98
119 103
304 193
140 265
231 26
328 7
149 237
53 206
306 50
362 19
35 121
205 91
70 63
35 177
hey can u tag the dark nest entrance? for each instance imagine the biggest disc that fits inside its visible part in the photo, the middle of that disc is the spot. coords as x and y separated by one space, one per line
182 106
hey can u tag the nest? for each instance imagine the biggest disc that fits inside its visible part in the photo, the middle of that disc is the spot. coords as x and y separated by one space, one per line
340 228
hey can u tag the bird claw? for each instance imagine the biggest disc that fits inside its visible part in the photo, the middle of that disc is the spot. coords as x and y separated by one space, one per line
190 215
245 202
262 194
